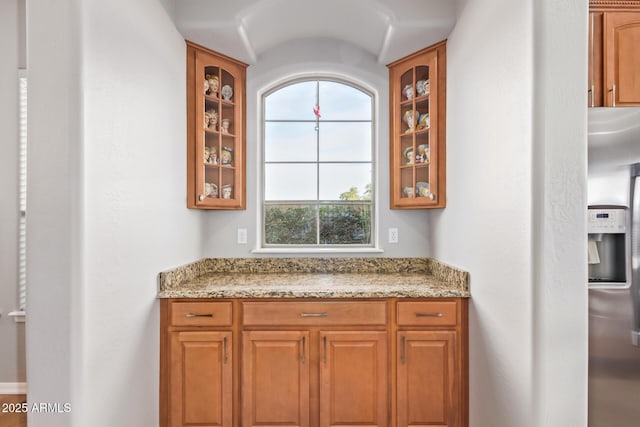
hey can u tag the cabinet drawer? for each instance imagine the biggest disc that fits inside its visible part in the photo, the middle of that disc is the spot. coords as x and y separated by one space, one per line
427 313
201 314
314 313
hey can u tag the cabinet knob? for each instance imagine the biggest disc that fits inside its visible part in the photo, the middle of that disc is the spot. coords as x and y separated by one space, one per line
432 196
201 197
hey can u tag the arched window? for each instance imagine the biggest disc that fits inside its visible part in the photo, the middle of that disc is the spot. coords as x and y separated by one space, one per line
318 165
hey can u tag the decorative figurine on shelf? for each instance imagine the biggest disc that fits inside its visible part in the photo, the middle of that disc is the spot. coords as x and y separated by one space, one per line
410 118
227 92
227 156
423 87
423 121
207 119
211 155
225 125
213 158
210 189
408 192
408 92
422 189
212 82
423 153
408 155
213 119
226 191
206 86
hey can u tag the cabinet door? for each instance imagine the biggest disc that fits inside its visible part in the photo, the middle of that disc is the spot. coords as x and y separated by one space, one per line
275 378
201 379
353 379
426 379
216 143
622 58
417 88
595 60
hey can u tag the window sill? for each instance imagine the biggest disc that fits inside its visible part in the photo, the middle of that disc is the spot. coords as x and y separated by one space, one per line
316 250
18 316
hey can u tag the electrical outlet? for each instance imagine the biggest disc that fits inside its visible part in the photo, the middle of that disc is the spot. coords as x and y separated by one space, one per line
393 235
242 236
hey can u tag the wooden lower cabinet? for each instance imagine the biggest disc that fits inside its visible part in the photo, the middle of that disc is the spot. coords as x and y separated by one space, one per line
426 385
225 364
275 378
200 380
353 379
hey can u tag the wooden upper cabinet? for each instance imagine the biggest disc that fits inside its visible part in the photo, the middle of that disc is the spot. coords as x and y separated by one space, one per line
622 58
614 57
417 86
215 130
201 378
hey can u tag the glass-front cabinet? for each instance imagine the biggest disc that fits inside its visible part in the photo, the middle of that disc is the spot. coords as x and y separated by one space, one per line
417 124
215 130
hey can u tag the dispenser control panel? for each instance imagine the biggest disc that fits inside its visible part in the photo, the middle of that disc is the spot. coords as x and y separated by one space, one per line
606 221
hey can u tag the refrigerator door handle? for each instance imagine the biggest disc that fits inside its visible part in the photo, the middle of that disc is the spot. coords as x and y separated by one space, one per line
635 338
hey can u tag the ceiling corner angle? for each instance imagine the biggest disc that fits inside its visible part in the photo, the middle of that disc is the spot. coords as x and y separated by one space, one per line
242 33
386 42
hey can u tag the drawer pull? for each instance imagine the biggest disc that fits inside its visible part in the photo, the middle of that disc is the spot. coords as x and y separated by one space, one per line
314 314
190 315
428 314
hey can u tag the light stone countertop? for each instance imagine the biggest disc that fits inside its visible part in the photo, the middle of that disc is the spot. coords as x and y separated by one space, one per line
314 278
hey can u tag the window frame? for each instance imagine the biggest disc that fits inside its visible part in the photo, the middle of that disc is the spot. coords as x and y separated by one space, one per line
262 246
19 315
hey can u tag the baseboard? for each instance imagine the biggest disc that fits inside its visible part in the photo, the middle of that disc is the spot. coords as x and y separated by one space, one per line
13 388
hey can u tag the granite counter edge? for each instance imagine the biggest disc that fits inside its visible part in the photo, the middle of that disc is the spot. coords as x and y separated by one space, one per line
176 279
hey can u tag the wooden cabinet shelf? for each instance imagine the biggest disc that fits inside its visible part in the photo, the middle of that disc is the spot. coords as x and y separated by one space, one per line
417 86
215 130
314 363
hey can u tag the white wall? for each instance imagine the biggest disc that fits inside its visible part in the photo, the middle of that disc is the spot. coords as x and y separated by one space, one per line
11 334
305 57
54 201
111 208
515 216
560 298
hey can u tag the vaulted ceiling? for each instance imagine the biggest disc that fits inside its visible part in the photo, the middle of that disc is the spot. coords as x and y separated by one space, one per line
246 29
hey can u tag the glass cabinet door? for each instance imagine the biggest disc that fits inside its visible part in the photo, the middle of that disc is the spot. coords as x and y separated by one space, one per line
218 88
414 132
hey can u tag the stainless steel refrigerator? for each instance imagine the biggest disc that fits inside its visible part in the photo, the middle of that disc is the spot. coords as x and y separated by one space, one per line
614 311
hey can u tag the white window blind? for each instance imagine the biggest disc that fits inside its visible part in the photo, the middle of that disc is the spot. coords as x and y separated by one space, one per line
22 227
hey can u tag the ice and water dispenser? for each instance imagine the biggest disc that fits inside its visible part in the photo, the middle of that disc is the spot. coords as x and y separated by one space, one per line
608 246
